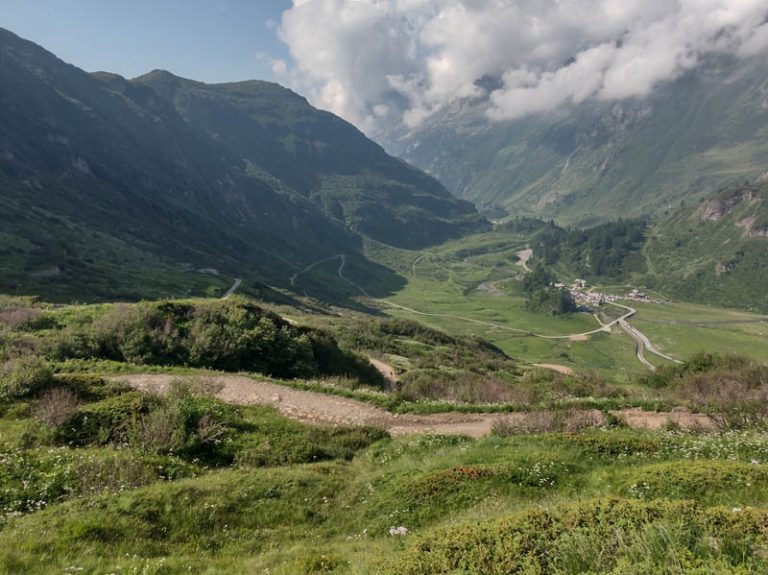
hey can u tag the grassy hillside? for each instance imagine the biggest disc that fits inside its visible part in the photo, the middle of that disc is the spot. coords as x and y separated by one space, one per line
714 251
98 488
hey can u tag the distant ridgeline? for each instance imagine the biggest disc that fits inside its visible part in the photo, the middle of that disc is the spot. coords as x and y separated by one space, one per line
713 251
117 188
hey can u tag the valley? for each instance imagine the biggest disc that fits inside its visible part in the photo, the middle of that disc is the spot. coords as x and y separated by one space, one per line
237 336
442 291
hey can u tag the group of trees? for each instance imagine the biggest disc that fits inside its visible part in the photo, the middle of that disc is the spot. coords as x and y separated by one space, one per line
609 250
542 295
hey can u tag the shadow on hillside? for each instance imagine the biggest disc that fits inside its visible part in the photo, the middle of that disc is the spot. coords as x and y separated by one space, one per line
351 283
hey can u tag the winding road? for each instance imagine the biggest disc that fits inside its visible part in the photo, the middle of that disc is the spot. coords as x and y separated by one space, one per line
233 289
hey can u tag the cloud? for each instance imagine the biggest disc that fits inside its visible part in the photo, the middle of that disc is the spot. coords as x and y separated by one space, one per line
377 62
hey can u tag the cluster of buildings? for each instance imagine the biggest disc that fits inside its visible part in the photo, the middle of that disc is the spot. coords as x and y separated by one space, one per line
596 298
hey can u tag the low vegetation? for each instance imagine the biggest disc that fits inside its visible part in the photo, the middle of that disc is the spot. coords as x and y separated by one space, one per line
98 477
232 335
265 494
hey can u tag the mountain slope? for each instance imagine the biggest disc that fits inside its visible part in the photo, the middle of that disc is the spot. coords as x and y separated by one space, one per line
324 158
716 251
600 160
106 190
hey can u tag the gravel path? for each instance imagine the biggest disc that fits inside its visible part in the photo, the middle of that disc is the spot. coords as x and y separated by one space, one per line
320 408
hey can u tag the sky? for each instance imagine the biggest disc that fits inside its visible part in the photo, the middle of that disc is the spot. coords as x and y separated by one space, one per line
206 40
380 63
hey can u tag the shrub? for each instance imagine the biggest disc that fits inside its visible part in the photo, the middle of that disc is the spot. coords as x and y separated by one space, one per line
56 406
23 376
602 536
109 421
233 335
570 421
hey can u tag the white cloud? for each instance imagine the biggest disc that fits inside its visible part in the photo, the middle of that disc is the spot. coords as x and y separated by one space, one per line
374 61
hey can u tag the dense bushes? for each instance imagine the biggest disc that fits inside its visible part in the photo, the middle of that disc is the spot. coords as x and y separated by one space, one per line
608 536
22 376
231 336
732 389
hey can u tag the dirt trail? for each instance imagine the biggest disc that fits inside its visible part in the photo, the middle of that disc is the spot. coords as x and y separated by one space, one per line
233 289
319 408
524 256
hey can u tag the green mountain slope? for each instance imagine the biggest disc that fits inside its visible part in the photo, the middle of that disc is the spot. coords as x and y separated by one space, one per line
107 191
716 251
279 135
602 160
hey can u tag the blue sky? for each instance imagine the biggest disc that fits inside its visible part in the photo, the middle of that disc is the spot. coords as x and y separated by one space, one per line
207 40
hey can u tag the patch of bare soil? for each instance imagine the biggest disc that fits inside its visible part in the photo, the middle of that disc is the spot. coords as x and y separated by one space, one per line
389 372
324 409
565 370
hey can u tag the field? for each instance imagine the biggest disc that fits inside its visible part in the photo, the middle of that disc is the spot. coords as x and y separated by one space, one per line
473 287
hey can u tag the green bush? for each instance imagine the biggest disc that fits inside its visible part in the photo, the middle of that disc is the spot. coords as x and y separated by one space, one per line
608 536
109 421
232 335
23 376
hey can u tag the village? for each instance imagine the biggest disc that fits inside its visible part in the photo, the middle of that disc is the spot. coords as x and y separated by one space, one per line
578 289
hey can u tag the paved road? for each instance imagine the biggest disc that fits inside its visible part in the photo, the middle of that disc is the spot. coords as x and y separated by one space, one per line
233 289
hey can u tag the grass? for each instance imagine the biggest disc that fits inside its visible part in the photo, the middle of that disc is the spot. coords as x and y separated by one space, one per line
99 493
684 329
335 517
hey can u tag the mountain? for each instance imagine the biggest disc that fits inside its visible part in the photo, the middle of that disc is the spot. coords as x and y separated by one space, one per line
714 251
596 161
107 190
279 135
